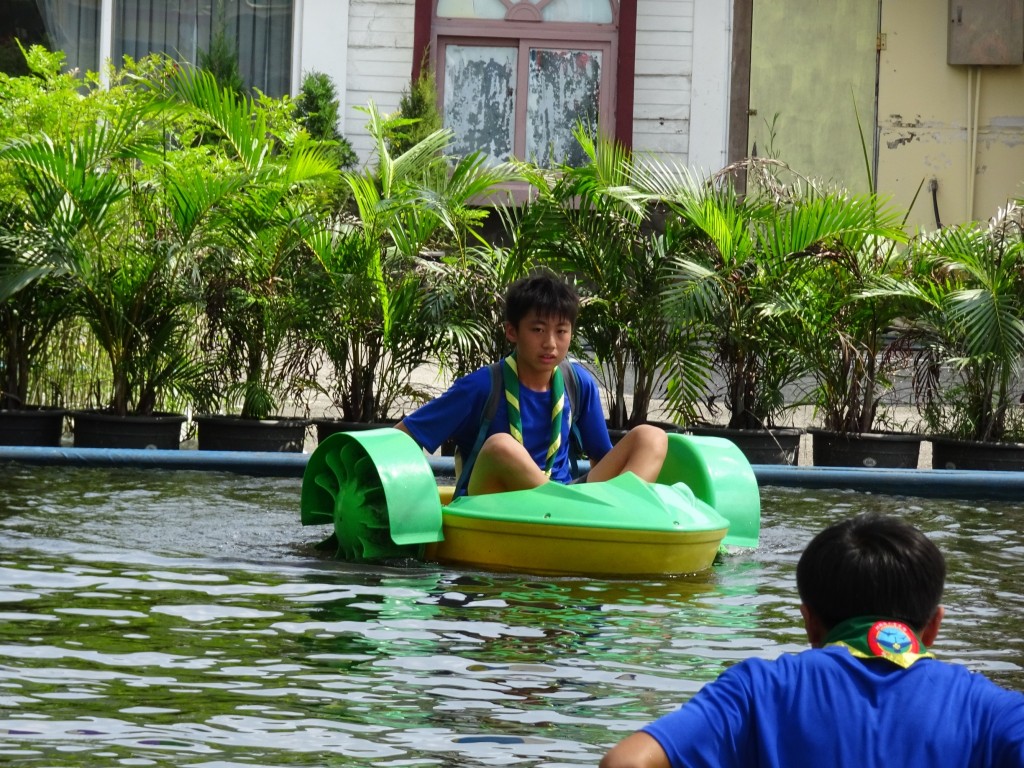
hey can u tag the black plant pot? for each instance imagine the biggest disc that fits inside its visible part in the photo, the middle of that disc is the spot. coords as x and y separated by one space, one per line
615 435
102 429
760 446
32 426
887 450
950 453
231 433
327 427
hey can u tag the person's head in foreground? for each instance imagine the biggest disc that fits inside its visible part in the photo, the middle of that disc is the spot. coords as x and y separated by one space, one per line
868 692
871 567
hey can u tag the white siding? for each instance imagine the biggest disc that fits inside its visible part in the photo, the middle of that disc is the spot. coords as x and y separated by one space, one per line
321 33
664 68
379 62
709 102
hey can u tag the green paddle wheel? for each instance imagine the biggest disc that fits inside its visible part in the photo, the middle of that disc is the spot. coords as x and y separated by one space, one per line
377 490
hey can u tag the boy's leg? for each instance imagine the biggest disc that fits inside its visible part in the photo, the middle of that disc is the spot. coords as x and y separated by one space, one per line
641 451
503 464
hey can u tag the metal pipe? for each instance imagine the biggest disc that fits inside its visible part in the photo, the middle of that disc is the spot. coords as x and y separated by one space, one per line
933 483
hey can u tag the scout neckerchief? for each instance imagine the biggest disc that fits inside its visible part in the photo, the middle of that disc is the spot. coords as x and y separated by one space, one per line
515 420
869 637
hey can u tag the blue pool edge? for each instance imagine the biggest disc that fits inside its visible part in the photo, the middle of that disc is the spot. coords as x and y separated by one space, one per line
934 483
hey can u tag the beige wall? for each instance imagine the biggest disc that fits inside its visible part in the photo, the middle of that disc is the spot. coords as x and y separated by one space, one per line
811 60
923 120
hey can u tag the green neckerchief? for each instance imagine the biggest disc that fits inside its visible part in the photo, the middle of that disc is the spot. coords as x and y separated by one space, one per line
871 637
515 420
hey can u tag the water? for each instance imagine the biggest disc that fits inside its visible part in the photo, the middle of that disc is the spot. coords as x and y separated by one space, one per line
186 619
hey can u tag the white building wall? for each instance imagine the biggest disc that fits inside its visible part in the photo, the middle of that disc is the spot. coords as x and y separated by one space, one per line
320 43
710 92
380 36
663 82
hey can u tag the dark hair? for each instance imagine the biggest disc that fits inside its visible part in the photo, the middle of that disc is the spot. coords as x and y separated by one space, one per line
551 296
871 566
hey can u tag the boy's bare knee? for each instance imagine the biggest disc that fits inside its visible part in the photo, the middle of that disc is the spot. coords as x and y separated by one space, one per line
650 437
501 445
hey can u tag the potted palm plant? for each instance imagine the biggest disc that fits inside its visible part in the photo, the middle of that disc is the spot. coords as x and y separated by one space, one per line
968 337
379 308
594 223
252 308
845 247
261 207
33 305
97 213
720 284
31 309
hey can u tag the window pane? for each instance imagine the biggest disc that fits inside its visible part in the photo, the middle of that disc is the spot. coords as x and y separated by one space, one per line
75 29
261 32
564 89
592 11
479 99
471 9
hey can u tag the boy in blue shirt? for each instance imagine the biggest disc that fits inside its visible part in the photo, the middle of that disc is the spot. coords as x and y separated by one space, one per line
868 693
527 440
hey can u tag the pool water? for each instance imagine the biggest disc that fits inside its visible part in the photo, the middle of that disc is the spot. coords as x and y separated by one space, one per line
186 619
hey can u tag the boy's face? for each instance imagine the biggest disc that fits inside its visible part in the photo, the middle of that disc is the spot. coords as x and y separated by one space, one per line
541 342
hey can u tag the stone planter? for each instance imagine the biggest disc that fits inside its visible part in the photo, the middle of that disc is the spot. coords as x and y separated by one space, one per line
892 450
760 446
32 426
950 453
231 433
102 429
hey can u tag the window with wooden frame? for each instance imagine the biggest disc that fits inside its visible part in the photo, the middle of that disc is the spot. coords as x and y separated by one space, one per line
514 77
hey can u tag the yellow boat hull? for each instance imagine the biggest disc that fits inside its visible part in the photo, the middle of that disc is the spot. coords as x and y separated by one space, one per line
569 550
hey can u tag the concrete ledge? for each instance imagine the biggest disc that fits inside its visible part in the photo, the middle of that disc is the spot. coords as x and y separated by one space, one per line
932 483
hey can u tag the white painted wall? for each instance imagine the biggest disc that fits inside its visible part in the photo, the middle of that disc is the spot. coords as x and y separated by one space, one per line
320 40
663 82
380 36
709 94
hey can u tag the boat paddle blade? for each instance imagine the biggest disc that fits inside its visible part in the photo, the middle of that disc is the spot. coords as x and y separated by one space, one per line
719 475
378 490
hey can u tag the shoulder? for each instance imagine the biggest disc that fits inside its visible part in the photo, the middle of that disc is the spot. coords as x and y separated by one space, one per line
478 380
759 675
466 392
584 378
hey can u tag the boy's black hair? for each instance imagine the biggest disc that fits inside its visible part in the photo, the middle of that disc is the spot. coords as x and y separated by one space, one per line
871 565
551 296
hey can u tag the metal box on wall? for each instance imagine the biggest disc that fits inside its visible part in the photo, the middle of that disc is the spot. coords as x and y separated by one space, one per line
986 32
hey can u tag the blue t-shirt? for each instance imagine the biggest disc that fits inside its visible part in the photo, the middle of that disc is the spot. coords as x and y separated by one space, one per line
825 707
458 413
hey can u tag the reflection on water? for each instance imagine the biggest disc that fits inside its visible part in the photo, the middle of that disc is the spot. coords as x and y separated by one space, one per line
180 618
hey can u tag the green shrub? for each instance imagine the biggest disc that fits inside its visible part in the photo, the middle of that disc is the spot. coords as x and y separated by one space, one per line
317 109
418 113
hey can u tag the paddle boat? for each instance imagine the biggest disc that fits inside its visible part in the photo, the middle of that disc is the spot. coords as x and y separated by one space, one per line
378 491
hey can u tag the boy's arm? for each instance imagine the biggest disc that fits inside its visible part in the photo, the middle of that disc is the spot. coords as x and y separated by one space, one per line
454 413
591 422
637 751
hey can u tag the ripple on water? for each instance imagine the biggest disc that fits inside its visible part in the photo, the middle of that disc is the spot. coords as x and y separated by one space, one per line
187 619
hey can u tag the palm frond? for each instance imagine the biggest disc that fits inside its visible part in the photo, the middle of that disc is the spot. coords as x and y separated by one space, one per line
236 117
